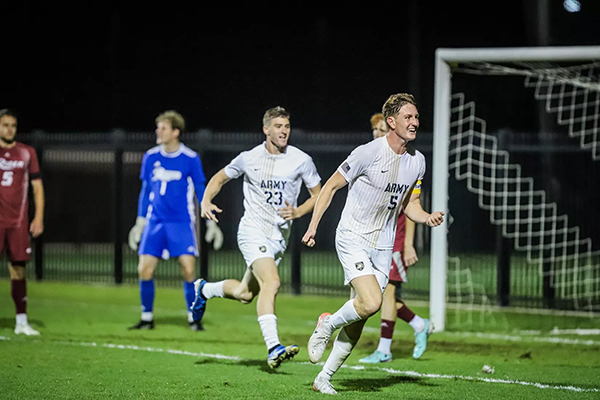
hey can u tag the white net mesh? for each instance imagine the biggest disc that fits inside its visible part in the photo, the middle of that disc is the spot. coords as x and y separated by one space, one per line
515 200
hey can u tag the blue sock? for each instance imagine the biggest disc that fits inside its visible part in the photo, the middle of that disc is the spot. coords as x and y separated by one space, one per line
189 294
147 295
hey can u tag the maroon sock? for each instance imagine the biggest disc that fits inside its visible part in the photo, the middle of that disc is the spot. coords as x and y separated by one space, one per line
18 291
405 314
387 328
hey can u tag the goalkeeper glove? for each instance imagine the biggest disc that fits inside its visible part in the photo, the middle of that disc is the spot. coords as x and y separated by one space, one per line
135 234
213 234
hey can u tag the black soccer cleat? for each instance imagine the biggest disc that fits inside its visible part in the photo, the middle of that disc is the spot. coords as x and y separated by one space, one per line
143 325
196 326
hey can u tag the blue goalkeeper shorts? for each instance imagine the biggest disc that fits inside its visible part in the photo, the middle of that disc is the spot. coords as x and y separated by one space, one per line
168 239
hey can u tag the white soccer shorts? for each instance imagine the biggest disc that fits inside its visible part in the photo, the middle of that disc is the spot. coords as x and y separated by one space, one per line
253 245
358 259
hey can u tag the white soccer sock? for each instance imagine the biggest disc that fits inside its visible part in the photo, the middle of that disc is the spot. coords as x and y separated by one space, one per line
268 326
344 316
147 316
21 319
385 346
342 347
417 323
190 317
213 289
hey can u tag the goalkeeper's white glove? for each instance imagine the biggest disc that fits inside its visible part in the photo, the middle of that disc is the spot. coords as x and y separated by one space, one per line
213 234
135 234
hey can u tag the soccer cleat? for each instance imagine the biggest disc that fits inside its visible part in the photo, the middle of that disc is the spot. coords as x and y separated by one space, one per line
196 326
319 339
376 358
143 325
323 385
421 340
279 354
199 305
25 329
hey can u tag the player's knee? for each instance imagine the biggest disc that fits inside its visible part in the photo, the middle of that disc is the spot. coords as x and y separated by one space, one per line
17 270
271 286
368 306
243 294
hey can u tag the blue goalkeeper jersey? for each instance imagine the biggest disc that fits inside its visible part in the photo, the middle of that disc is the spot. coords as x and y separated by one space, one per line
170 181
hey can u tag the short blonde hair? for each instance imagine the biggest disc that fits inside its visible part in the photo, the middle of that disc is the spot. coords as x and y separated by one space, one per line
395 102
273 113
375 118
176 119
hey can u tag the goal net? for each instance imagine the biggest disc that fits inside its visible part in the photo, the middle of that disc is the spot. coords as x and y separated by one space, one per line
516 164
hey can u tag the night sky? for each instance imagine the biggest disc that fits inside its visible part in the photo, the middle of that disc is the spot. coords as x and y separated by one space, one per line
101 68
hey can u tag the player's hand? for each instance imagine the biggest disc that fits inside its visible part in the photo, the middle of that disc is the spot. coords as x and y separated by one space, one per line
309 237
410 255
36 228
435 219
135 234
208 210
288 212
214 234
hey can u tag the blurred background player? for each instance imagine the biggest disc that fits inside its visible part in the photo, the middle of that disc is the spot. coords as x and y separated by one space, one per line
384 178
171 174
403 256
18 166
273 176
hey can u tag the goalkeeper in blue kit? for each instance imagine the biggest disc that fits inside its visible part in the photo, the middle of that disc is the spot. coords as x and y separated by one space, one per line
171 176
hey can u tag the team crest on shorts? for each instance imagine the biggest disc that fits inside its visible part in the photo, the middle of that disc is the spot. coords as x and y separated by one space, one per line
359 265
263 249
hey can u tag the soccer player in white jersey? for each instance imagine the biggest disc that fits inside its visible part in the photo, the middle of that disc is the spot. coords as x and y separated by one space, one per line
403 256
384 178
273 175
171 175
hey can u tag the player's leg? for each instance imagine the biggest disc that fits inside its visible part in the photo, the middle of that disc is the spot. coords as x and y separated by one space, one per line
187 264
146 267
18 251
383 352
267 277
422 327
342 347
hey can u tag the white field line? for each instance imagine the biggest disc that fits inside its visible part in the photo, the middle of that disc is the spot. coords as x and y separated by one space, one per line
357 367
525 338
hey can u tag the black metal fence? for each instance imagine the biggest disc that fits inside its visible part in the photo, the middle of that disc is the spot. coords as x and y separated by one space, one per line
92 184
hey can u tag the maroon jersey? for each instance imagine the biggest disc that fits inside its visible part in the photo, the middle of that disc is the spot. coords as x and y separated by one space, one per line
18 164
400 233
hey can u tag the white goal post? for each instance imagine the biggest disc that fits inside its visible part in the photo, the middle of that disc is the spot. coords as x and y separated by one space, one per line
445 58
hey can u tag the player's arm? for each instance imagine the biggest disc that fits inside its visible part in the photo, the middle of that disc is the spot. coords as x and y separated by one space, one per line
208 209
410 253
415 212
289 212
37 224
135 233
333 184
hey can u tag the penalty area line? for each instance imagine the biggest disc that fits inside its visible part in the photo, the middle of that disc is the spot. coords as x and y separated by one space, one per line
354 367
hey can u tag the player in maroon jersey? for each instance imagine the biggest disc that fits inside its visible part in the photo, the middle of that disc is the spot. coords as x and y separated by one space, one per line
18 166
403 256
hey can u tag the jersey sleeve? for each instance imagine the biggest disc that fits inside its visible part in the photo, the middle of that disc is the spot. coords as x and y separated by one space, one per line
198 177
144 170
417 187
236 167
356 163
34 165
310 176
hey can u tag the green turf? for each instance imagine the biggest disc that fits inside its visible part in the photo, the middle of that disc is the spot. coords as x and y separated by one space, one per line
85 351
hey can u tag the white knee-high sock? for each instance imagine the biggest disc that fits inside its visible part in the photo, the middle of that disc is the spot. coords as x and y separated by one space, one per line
344 316
268 326
213 289
342 347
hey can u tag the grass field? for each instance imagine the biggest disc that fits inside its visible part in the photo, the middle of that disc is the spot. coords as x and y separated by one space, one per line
86 352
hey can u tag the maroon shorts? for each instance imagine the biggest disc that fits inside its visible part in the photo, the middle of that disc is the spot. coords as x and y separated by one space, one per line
398 269
16 241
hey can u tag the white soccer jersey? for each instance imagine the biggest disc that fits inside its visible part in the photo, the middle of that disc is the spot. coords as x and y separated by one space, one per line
379 182
269 181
